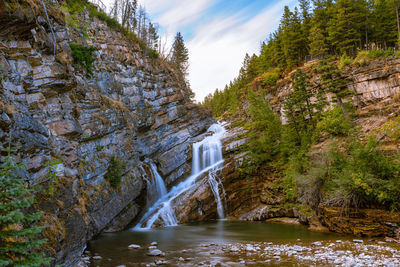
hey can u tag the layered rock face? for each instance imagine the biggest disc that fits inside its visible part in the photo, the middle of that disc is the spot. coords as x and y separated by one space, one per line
68 125
377 97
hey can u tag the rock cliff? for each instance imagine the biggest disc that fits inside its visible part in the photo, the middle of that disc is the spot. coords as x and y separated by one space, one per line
69 125
376 87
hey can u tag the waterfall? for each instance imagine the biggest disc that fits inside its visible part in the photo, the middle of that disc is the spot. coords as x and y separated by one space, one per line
211 153
155 187
207 157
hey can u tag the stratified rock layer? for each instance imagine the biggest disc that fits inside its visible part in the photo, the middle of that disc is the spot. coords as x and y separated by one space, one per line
259 197
69 124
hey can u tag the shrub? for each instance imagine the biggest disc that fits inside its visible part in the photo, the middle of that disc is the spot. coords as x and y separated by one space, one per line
345 61
83 55
364 55
270 78
359 176
361 58
392 128
153 54
333 122
115 171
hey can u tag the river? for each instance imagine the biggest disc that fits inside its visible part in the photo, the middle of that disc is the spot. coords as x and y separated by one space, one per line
232 243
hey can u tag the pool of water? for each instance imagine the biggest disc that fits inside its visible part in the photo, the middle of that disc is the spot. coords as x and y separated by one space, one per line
198 239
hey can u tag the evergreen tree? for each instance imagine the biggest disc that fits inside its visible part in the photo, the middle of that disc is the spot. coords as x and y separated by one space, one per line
292 39
396 6
18 236
180 55
347 27
318 38
153 37
299 109
265 126
384 26
318 42
333 82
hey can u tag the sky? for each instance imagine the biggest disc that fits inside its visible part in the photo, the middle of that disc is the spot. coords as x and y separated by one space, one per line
218 34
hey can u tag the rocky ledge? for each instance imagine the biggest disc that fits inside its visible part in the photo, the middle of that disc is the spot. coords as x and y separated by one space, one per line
70 126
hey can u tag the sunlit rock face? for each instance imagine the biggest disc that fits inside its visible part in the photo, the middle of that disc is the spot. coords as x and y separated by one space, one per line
259 197
70 123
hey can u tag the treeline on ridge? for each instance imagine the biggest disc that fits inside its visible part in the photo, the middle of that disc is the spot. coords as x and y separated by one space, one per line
317 29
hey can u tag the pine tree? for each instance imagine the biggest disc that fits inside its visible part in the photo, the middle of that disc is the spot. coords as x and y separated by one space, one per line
318 38
19 235
265 127
180 54
292 39
318 44
347 27
384 26
333 82
298 107
396 6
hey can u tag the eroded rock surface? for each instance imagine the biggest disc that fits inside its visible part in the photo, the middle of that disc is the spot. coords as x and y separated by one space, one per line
69 124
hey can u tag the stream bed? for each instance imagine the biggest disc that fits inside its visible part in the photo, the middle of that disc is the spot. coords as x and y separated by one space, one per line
232 243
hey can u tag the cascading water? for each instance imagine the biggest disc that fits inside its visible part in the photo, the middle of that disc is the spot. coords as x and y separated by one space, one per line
207 156
155 187
215 183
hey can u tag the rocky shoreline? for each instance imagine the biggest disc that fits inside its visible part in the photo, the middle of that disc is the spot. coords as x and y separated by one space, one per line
352 252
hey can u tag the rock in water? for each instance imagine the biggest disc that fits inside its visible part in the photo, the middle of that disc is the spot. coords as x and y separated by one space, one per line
155 252
133 246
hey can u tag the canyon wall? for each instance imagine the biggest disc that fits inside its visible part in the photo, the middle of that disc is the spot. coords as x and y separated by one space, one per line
69 126
259 197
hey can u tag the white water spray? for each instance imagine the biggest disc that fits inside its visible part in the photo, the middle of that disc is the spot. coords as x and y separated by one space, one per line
207 156
156 188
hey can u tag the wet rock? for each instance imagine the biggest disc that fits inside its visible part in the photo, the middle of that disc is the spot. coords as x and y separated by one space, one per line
250 248
155 252
234 249
133 246
161 262
317 243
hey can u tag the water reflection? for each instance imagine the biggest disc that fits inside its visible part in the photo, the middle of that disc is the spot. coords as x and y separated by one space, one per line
172 240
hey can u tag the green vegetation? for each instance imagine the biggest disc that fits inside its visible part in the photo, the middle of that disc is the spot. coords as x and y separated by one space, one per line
392 128
144 33
115 171
358 175
334 123
342 29
264 130
271 77
19 235
75 7
50 181
83 55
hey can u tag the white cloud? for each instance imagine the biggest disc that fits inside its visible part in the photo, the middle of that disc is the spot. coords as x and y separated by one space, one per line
173 15
218 48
